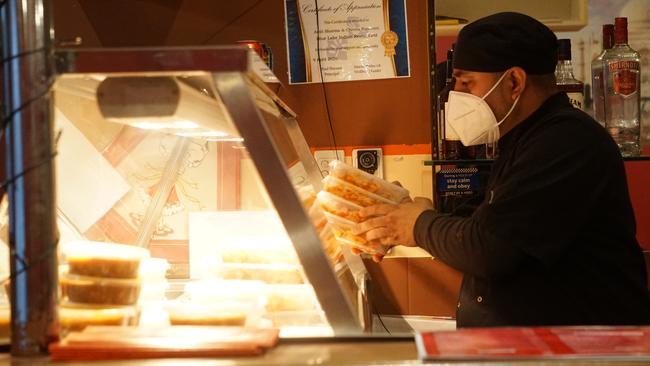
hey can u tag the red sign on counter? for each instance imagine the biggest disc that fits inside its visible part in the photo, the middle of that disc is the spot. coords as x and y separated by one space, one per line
532 343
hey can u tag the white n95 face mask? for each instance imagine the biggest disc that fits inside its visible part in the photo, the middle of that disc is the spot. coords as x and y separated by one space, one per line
472 118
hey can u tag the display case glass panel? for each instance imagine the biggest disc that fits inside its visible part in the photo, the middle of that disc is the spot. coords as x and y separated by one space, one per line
185 190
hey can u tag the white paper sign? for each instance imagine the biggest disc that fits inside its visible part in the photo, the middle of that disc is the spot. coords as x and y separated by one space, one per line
260 68
358 40
87 184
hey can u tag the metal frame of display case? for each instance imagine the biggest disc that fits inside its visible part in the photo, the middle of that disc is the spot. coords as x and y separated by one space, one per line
229 67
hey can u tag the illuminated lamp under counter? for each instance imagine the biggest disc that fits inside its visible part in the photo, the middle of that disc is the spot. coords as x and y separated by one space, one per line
164 104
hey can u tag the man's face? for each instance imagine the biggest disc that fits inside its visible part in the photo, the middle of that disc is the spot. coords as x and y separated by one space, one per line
479 83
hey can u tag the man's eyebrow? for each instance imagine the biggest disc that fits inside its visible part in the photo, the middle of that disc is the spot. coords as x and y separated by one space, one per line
458 73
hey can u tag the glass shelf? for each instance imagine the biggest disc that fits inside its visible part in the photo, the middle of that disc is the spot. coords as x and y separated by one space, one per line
490 161
637 158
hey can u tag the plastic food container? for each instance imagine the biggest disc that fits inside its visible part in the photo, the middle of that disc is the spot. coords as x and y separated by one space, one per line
331 244
219 302
316 216
290 298
268 273
75 317
198 313
153 292
296 318
352 193
367 181
342 230
216 290
339 207
307 195
153 269
88 258
258 253
5 321
100 290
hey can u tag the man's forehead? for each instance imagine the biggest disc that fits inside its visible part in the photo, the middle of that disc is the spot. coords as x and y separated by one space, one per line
458 73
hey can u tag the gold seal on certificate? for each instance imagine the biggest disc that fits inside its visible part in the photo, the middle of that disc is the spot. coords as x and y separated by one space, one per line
389 40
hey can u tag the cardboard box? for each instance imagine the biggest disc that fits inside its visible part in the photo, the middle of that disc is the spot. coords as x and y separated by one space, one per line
411 282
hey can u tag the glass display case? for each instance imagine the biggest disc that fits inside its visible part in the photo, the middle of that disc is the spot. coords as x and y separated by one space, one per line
185 193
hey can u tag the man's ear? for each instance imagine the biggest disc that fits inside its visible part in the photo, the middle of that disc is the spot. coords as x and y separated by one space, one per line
517 81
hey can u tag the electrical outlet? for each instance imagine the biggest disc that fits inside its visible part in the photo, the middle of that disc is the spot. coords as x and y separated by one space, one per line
369 160
323 158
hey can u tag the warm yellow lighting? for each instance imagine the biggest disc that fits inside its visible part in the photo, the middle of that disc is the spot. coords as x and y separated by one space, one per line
163 104
203 134
176 125
226 139
184 124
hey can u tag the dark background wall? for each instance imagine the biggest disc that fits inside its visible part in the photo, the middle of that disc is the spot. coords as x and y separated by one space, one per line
378 112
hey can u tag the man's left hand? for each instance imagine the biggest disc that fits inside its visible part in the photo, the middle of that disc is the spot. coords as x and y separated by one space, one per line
392 225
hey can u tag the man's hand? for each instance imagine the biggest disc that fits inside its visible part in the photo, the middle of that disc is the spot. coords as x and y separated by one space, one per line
391 225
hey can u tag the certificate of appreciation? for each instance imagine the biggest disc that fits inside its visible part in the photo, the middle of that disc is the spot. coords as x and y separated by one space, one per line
356 40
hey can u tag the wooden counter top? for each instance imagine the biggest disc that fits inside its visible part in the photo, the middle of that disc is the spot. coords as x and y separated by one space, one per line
388 352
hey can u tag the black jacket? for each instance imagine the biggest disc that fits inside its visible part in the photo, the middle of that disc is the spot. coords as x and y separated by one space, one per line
553 242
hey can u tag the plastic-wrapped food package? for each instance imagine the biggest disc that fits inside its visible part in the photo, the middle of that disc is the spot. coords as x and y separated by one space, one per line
340 207
305 318
5 321
257 253
290 298
197 313
99 290
342 229
219 302
76 317
307 195
352 193
268 273
95 259
367 181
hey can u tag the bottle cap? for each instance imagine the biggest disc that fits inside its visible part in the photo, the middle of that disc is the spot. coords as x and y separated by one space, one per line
620 30
564 49
608 36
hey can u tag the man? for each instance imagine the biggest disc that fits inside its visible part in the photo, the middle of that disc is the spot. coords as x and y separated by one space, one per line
553 243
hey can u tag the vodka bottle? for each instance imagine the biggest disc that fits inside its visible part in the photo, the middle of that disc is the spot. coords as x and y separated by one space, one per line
451 145
565 80
622 75
597 82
